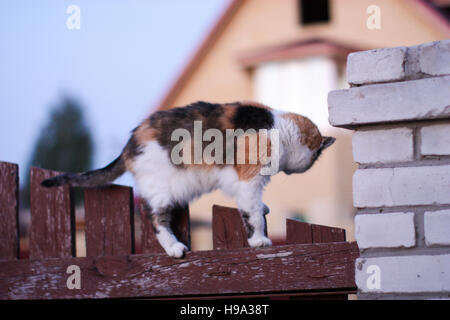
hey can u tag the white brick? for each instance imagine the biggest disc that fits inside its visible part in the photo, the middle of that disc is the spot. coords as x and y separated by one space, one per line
434 58
401 186
400 101
388 230
435 140
386 145
399 63
406 274
437 227
379 65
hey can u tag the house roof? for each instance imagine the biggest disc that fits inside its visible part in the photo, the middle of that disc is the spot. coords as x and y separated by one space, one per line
201 51
441 2
429 10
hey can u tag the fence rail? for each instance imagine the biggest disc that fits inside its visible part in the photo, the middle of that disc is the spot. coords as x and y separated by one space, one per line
316 262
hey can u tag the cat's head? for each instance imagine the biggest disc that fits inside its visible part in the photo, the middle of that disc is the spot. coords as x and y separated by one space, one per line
304 146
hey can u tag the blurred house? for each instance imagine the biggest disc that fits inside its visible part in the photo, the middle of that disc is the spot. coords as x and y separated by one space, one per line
289 54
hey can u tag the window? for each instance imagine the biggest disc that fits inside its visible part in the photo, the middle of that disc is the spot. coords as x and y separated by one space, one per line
314 11
298 85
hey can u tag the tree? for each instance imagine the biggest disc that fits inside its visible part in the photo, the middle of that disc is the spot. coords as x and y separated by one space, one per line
64 144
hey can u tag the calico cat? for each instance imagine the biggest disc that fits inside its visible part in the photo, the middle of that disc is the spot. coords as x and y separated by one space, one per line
292 143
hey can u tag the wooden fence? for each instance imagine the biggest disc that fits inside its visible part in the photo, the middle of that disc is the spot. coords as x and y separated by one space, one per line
315 263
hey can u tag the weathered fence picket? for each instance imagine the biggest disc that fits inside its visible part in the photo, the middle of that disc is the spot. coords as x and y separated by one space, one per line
52 229
9 211
301 232
109 221
315 263
228 229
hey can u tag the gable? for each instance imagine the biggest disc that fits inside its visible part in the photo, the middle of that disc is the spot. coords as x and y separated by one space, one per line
215 74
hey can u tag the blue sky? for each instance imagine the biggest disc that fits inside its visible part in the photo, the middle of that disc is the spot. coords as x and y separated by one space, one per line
117 65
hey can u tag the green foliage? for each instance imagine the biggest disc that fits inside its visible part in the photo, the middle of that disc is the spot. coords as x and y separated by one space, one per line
64 143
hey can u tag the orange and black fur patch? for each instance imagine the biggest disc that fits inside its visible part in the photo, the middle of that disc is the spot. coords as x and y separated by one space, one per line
160 126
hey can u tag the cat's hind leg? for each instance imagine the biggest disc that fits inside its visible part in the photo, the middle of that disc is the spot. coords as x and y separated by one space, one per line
253 211
160 219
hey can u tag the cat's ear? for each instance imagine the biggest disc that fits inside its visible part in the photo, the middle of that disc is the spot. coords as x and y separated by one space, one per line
326 142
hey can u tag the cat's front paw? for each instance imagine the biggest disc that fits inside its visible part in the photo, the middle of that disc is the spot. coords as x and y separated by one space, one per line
177 250
259 241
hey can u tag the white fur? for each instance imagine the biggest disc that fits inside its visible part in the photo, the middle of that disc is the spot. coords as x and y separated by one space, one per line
170 244
294 156
162 184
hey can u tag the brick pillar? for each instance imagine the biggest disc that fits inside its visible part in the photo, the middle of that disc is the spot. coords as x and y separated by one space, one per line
399 108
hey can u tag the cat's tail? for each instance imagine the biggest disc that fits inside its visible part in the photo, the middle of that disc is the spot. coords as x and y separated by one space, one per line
94 178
